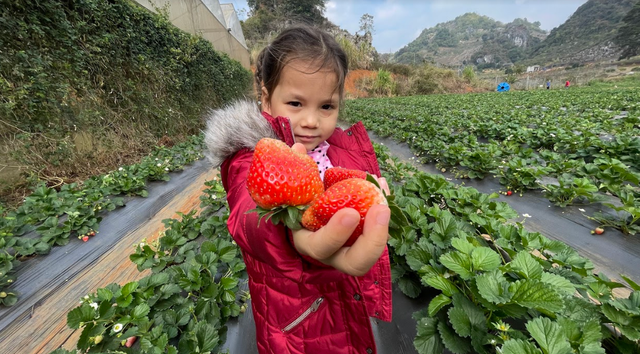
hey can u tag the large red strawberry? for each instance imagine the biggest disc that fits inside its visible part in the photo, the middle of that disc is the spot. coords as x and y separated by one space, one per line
282 182
337 174
355 193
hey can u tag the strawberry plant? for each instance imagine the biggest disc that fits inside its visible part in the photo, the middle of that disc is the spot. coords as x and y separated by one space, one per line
54 216
502 289
570 190
519 174
627 215
183 305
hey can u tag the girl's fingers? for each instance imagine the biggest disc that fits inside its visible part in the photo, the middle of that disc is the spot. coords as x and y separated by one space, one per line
330 238
384 185
365 252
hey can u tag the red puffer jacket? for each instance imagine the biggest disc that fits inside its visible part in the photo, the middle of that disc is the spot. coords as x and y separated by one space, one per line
299 306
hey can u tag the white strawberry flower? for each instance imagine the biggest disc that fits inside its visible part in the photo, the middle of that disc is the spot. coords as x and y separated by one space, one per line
94 305
582 210
526 215
117 327
159 164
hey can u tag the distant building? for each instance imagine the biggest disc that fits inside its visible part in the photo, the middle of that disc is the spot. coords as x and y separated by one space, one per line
532 69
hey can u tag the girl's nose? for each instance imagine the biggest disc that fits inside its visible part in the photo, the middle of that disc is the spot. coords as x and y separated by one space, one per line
311 120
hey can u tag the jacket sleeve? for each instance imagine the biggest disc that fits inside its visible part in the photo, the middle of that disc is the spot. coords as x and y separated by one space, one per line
266 242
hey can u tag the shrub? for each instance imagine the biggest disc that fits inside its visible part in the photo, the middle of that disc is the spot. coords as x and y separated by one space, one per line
110 71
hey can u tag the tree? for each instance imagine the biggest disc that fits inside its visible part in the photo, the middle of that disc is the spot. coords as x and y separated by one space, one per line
519 69
309 11
366 24
468 74
628 37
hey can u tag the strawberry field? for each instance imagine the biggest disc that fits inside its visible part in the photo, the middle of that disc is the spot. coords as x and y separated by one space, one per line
577 146
482 281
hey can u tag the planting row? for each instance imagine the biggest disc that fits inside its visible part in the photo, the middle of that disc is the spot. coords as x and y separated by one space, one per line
577 146
50 217
502 289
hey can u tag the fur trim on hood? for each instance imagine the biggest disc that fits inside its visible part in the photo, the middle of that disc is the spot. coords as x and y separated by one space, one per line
232 128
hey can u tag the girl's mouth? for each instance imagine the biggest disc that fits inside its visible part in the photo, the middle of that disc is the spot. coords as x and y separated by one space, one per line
305 138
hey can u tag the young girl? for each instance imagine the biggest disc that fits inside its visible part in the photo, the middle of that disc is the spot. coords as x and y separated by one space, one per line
309 294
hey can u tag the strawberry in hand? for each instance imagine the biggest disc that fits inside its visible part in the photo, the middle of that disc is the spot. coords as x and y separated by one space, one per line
356 193
337 174
282 182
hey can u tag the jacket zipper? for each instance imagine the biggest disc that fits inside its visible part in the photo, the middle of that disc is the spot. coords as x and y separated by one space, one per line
313 308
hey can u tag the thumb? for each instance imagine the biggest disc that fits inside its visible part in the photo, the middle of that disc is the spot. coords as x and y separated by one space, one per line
331 237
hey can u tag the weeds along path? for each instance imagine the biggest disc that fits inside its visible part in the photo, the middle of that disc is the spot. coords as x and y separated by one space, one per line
51 286
612 253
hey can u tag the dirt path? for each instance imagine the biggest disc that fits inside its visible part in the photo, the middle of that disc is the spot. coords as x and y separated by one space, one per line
52 285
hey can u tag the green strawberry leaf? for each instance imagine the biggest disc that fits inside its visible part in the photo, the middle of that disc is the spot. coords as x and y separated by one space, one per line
420 254
437 303
536 295
548 335
591 337
427 340
289 216
462 245
459 263
631 283
409 287
517 346
493 287
441 283
484 258
616 316
465 317
558 282
452 341
526 266
207 336
81 314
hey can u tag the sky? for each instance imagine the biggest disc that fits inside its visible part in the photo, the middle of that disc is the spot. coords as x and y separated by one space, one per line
398 22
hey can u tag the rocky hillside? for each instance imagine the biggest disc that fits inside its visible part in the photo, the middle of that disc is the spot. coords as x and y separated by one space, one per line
586 36
479 40
473 39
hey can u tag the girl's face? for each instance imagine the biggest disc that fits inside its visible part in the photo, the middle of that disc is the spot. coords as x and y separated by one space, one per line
309 98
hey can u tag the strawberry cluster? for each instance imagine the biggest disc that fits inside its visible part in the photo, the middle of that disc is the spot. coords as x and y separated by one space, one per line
287 188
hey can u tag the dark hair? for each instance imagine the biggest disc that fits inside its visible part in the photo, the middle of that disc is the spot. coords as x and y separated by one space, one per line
300 42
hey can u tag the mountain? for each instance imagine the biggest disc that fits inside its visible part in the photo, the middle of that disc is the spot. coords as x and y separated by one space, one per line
586 36
473 39
479 40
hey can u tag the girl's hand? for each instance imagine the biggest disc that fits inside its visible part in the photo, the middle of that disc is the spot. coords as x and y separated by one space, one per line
325 245
383 184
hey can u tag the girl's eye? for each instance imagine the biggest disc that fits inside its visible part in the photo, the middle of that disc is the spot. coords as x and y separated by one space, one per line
327 106
294 104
